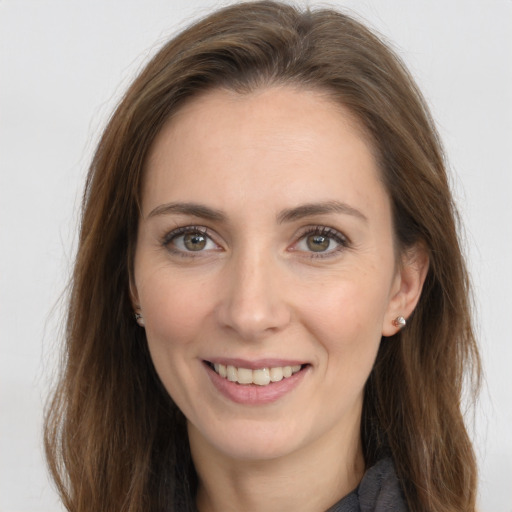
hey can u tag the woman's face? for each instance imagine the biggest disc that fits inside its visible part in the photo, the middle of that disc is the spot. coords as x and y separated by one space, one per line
265 270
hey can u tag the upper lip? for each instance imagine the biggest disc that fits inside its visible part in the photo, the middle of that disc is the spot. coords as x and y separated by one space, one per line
254 364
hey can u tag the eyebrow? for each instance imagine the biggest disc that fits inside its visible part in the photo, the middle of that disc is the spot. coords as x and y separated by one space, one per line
287 215
194 209
310 209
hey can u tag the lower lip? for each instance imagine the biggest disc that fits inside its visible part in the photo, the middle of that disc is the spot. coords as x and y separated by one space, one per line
252 394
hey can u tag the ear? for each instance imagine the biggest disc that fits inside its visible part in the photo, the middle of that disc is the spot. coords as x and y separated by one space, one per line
134 299
407 286
134 294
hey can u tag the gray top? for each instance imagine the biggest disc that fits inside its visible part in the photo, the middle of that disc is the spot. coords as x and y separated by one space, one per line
379 491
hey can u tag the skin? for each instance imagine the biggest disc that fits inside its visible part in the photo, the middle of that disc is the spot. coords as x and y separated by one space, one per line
259 288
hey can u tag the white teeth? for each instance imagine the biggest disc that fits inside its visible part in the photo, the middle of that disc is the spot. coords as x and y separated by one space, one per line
244 376
260 377
276 374
232 373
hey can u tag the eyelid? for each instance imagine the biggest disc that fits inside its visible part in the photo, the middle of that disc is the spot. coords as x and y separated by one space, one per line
341 239
334 234
183 230
321 229
168 238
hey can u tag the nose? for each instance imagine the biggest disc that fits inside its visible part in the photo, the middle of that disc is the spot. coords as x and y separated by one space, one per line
253 301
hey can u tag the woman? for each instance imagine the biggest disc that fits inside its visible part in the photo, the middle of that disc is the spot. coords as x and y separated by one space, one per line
269 307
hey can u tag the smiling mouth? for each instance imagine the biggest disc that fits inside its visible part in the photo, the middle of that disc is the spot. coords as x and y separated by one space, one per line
260 377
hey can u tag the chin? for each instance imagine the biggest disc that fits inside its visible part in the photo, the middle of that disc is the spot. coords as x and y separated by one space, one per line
252 440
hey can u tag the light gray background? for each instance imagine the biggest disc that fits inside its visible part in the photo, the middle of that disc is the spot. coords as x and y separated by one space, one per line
63 66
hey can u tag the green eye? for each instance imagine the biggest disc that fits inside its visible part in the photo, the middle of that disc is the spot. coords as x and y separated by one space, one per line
189 239
194 241
318 243
321 241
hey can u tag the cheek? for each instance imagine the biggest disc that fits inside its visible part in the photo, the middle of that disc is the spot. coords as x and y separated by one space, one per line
346 316
174 312
347 326
174 309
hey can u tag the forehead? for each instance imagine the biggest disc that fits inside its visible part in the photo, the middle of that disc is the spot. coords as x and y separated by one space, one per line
260 108
223 146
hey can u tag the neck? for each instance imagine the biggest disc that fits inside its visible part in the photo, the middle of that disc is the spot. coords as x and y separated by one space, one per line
311 479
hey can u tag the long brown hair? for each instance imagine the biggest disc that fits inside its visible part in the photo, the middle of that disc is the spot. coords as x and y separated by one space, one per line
114 439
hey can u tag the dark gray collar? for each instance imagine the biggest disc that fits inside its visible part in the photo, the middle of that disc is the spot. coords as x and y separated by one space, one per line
379 491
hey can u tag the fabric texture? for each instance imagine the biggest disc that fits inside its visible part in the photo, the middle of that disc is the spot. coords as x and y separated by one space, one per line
379 491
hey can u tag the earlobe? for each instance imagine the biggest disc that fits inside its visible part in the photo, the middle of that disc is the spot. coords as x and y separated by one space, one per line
400 322
134 294
410 278
134 298
139 319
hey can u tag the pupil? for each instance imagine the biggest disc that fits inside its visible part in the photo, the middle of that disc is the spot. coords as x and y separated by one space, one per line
318 243
194 241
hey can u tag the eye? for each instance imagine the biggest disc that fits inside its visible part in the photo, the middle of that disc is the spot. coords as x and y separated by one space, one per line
321 241
189 239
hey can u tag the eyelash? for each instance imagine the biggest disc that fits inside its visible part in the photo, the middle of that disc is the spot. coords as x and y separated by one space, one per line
185 230
325 231
328 232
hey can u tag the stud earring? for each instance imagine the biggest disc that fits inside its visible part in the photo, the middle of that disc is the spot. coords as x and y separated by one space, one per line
139 319
399 322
